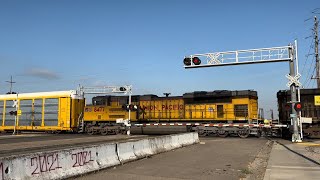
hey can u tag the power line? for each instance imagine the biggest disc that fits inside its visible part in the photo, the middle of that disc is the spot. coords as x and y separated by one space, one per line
311 76
307 76
307 57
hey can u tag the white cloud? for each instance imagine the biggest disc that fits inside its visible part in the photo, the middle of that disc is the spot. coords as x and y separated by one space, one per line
41 73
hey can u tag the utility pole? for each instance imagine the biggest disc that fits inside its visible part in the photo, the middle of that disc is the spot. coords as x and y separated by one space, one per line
316 49
11 82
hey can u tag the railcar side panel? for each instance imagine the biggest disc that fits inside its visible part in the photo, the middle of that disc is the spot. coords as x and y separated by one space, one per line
46 111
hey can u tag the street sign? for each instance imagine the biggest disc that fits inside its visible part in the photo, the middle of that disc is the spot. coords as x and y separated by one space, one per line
294 80
19 113
317 100
293 115
15 103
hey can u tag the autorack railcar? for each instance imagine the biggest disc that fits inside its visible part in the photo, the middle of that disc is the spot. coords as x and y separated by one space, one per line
43 111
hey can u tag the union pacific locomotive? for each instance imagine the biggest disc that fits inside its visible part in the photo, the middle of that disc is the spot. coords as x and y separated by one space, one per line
201 107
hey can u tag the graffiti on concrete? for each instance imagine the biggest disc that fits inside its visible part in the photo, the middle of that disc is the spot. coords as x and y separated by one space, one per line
1 171
81 158
44 163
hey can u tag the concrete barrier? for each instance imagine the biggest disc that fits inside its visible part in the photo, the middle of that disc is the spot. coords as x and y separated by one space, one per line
126 152
76 161
107 155
142 148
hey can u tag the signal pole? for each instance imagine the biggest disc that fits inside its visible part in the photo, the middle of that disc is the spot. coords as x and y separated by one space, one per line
11 82
316 49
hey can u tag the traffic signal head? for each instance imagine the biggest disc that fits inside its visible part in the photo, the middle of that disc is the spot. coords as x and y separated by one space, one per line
122 89
298 106
13 113
133 107
187 61
287 107
196 61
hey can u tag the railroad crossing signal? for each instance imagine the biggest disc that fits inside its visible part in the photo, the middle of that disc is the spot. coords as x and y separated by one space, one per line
293 80
251 56
187 61
122 89
298 107
195 61
15 103
13 113
130 107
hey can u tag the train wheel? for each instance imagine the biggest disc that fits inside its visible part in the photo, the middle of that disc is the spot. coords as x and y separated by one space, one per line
223 133
244 133
258 135
90 131
202 133
104 132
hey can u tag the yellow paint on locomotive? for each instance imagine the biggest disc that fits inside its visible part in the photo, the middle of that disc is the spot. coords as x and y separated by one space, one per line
162 109
44 111
175 109
107 113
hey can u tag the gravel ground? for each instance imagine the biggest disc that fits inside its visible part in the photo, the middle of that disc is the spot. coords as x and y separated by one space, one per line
257 168
313 152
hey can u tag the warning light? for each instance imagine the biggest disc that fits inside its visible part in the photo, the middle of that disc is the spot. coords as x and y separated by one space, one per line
133 107
122 89
196 61
13 113
298 106
187 61
287 107
130 107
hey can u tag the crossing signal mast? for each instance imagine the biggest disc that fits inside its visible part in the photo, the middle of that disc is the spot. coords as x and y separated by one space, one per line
253 56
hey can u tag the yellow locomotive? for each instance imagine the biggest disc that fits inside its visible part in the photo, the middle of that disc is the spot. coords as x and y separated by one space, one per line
197 107
216 106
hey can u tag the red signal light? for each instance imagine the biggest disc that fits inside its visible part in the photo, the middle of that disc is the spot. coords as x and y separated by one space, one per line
287 107
298 106
196 61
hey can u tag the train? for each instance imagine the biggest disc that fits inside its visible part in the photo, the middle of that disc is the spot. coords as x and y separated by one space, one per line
189 111
309 99
58 111
219 112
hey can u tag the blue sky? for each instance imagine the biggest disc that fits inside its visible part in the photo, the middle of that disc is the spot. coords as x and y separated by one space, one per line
56 45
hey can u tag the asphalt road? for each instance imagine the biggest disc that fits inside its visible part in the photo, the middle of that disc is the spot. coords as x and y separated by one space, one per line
213 158
31 142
